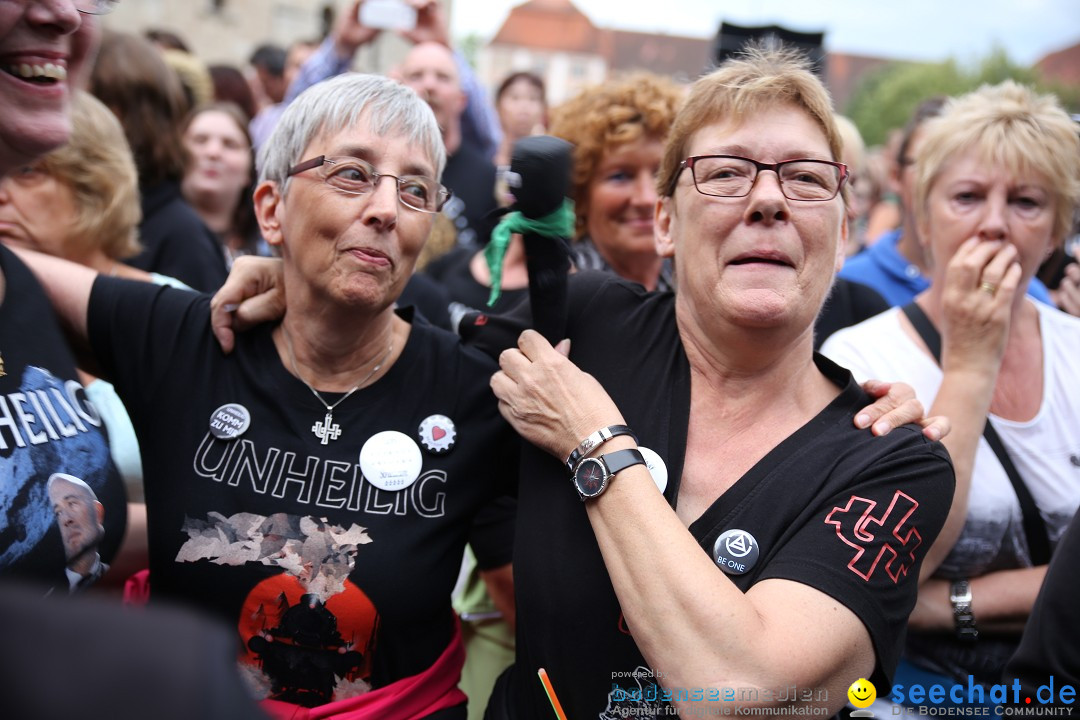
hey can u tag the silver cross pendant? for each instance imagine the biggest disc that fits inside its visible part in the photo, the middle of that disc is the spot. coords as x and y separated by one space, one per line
327 430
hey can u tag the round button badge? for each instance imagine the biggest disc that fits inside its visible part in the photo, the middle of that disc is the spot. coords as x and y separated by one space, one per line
736 552
656 466
438 434
391 460
230 421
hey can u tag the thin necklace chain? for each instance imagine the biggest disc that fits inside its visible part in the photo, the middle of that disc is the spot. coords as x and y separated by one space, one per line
343 398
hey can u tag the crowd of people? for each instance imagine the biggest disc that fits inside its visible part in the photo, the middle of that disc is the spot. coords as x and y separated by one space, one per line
701 437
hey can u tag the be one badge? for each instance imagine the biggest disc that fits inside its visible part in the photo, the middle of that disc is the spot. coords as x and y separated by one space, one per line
736 552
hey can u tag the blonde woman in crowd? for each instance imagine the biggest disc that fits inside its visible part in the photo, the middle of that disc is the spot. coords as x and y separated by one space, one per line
998 177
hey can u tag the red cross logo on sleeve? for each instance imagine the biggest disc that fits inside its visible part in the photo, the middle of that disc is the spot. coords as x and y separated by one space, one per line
859 528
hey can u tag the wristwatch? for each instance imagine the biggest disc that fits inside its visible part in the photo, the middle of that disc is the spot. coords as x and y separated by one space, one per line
594 441
963 617
592 475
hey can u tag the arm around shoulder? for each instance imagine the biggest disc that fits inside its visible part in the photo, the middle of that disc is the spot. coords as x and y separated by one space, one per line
68 286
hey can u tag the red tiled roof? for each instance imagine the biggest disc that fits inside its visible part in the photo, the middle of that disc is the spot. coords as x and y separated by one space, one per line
552 25
843 73
1062 66
684 58
559 26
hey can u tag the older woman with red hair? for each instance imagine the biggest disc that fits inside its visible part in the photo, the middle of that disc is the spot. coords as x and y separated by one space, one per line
618 130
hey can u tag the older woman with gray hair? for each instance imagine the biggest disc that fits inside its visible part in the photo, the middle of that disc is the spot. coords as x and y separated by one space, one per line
316 487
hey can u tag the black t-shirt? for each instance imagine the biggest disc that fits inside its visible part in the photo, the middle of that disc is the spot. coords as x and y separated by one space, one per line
802 503
1050 645
285 537
429 298
849 303
466 294
471 178
176 242
48 426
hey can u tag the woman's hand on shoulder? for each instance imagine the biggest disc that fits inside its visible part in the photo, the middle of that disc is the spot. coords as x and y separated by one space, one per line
897 405
253 293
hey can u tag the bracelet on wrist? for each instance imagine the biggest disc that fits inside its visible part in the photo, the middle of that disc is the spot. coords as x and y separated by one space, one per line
594 441
963 615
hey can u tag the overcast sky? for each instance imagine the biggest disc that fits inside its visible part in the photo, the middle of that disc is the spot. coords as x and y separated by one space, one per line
904 29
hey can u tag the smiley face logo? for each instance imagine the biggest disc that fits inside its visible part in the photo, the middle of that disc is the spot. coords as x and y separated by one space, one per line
862 693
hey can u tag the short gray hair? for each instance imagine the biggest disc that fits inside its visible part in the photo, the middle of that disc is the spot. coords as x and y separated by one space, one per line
335 104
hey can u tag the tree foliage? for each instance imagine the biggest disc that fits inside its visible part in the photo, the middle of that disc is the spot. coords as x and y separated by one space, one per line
469 45
886 97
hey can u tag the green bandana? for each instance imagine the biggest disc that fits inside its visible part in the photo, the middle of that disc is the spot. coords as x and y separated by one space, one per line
558 224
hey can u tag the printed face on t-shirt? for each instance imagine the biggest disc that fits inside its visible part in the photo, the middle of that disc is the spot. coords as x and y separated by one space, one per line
76 509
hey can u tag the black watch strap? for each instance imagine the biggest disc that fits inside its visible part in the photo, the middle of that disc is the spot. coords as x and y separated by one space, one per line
622 459
594 474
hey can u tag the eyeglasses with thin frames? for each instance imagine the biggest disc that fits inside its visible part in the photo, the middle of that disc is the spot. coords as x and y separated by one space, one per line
358 177
801 179
96 7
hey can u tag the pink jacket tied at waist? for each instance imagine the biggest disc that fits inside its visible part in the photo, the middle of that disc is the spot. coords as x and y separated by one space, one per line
416 696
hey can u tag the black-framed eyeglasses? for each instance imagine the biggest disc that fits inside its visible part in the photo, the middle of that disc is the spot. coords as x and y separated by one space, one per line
358 177
96 7
733 176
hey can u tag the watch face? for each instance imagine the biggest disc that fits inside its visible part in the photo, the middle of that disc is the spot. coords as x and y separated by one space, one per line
590 477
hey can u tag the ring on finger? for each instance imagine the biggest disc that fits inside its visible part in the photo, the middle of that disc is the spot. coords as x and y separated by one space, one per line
988 287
